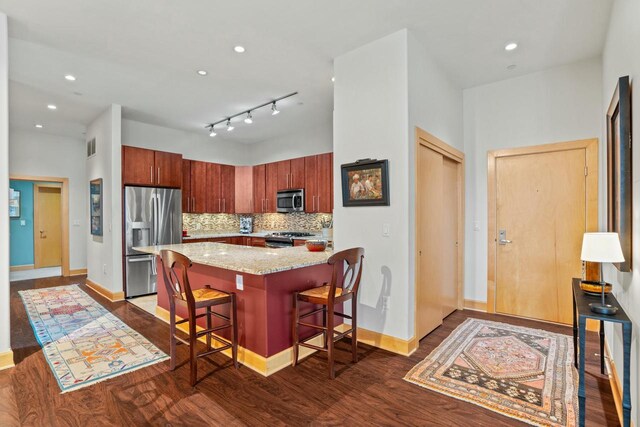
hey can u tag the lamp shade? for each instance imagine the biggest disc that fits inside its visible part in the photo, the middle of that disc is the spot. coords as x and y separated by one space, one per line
601 247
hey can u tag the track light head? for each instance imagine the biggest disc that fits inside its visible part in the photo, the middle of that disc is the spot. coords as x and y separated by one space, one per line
249 119
212 131
274 109
229 127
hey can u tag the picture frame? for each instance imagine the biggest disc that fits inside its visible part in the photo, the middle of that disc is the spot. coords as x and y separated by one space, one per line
619 169
15 210
95 206
365 183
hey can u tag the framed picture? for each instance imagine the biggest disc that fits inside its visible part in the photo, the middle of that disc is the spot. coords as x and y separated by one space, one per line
95 206
619 173
365 183
14 203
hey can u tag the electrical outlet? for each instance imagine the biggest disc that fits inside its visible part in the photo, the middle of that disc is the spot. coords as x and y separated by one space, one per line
239 282
104 269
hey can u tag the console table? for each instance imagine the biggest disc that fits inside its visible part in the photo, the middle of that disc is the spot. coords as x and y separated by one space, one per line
582 312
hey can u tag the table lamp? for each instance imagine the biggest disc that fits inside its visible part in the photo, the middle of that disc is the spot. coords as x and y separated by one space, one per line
601 247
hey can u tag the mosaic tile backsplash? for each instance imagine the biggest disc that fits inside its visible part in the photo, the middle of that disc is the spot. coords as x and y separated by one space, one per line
261 222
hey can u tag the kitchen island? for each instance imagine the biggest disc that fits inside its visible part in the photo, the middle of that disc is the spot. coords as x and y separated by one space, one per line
264 281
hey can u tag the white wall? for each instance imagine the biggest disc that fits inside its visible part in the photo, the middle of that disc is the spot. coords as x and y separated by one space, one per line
316 140
189 144
41 154
621 58
371 120
104 253
5 328
560 104
382 91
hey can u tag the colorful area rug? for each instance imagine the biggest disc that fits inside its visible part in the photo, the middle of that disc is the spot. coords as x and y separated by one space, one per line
82 341
523 373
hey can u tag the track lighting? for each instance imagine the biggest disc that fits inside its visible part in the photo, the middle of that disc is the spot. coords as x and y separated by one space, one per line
248 114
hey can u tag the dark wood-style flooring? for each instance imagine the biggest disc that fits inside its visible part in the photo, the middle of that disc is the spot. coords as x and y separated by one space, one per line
372 392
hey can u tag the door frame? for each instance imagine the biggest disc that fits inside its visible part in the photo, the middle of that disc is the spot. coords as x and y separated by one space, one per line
425 139
591 151
64 196
36 211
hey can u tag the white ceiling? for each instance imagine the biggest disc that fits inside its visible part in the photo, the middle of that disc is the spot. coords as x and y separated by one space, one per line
144 54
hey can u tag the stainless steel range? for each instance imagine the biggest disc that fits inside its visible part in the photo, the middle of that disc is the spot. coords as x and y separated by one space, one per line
284 239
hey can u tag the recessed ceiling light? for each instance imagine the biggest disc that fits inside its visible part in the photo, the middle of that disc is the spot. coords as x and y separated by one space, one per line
510 46
70 78
511 67
202 72
39 126
239 49
52 107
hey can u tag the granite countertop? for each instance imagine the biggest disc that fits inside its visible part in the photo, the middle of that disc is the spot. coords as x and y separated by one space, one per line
245 259
213 234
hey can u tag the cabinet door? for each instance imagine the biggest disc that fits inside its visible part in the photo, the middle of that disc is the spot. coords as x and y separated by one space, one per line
214 192
137 166
284 174
296 176
271 187
186 186
258 241
198 187
311 184
228 188
325 183
259 188
168 169
244 189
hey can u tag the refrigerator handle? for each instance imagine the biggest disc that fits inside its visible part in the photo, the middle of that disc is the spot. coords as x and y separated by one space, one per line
155 219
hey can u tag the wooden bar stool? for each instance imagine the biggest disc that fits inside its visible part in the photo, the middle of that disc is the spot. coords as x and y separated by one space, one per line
176 280
343 287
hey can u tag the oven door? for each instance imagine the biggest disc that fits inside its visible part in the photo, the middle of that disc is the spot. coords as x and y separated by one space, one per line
290 201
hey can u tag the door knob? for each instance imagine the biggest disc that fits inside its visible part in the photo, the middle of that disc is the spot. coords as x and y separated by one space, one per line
502 237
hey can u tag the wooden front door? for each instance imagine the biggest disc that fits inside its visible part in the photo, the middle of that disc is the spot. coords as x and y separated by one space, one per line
47 226
541 205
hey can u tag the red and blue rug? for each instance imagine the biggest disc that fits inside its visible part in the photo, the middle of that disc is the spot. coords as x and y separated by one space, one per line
523 373
82 341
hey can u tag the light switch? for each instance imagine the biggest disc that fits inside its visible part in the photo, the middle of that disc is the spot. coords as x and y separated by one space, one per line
386 230
239 282
476 225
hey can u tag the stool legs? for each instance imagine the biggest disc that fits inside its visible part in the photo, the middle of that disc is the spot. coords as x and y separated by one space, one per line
172 336
330 342
233 317
296 318
208 327
193 342
354 333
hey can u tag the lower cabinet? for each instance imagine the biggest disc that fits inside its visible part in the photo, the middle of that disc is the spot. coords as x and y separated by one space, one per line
234 240
299 242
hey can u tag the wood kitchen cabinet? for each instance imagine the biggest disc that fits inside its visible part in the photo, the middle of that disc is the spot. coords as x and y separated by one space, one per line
199 188
290 174
186 186
271 187
318 183
141 166
259 188
221 188
244 200
228 188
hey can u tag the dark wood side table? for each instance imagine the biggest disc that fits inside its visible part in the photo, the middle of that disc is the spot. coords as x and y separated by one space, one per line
582 312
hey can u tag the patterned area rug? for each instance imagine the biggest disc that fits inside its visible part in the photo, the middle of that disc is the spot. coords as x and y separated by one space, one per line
82 341
523 373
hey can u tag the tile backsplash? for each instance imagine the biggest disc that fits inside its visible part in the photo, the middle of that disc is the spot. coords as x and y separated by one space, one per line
261 222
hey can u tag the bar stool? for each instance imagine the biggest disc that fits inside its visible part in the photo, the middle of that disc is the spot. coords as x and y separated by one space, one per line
343 287
176 280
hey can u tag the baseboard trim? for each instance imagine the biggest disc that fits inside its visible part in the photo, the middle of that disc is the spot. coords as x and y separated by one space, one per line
78 272
385 342
111 296
263 365
6 360
21 267
614 380
471 304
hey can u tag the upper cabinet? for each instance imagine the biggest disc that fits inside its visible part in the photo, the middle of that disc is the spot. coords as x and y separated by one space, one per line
318 183
259 185
290 173
244 189
186 186
141 166
198 194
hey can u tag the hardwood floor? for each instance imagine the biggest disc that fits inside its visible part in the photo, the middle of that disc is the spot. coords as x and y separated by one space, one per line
372 392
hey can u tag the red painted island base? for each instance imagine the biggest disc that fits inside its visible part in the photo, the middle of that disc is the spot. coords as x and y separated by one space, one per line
264 308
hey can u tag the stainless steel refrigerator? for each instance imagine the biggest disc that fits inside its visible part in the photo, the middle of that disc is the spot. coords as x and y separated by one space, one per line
153 216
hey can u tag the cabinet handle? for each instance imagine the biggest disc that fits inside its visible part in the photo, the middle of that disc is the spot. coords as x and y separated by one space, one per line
151 170
313 199
224 205
318 204
188 203
158 175
193 203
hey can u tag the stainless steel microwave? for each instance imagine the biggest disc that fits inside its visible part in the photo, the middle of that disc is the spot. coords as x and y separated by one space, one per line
290 201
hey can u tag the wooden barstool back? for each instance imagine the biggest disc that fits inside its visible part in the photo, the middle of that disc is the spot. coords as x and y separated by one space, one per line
175 268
